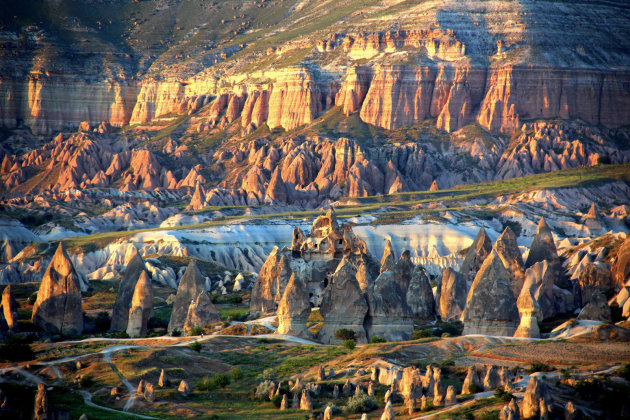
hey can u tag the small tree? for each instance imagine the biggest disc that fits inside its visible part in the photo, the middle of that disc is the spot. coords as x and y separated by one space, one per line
377 339
345 334
349 344
196 346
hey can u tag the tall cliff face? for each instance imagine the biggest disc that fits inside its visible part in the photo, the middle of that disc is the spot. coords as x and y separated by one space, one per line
295 100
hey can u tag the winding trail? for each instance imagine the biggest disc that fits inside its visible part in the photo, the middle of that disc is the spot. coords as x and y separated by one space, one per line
87 399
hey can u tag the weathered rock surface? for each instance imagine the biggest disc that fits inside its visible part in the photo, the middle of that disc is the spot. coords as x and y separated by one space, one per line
389 259
58 308
388 315
10 309
419 295
543 246
539 282
596 309
120 312
141 308
41 403
343 305
453 294
594 278
490 305
294 309
190 286
201 313
473 381
388 412
507 249
538 400
476 254
620 269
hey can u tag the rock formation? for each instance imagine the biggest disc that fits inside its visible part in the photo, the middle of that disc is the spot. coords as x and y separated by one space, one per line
510 411
163 381
419 295
190 286
183 387
120 312
507 249
537 401
596 309
294 309
594 278
388 316
492 380
270 284
388 412
539 285
490 305
58 305
620 270
41 403
10 309
343 305
452 296
472 382
389 259
543 246
305 401
141 307
451 396
476 255
201 313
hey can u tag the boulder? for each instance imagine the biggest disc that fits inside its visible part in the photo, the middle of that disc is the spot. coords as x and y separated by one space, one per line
201 313
141 307
294 309
453 293
388 259
476 255
543 246
620 270
149 392
439 393
120 312
190 286
491 306
343 305
596 309
507 249
419 295
58 306
388 315
537 401
411 383
10 309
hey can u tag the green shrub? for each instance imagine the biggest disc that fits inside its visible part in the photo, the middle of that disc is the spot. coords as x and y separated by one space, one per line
237 374
218 380
361 403
489 415
423 333
503 395
377 339
196 346
277 400
264 389
539 367
345 334
196 331
86 381
176 333
475 388
349 344
268 374
221 380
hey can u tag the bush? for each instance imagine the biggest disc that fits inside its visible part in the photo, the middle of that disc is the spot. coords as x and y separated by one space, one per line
503 395
361 403
176 333
268 374
474 388
377 339
13 350
417 334
196 331
102 322
263 389
349 344
277 400
196 346
490 415
237 374
219 380
344 334
539 367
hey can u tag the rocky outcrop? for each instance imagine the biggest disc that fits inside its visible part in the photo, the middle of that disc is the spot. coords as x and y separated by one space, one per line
452 296
419 295
294 309
507 249
190 286
201 313
389 315
270 284
10 309
294 100
343 305
476 255
543 246
58 306
41 403
539 282
594 278
537 401
620 269
490 305
529 311
473 381
596 309
141 308
389 259
510 411
126 288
